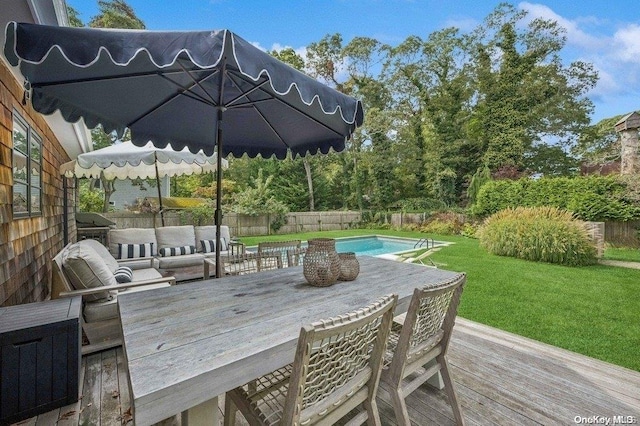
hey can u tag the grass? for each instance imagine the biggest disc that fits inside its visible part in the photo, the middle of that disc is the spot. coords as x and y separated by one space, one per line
592 310
622 253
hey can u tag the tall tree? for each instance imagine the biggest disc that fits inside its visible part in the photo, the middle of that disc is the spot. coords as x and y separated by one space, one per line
74 17
113 14
116 14
525 95
431 89
289 56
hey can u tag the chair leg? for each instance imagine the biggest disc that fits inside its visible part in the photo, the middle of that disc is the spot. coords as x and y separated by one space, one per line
373 416
229 411
451 393
399 405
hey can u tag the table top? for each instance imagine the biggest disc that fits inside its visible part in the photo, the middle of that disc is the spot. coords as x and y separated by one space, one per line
187 344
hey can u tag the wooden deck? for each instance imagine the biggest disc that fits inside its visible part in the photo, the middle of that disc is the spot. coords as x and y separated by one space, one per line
501 378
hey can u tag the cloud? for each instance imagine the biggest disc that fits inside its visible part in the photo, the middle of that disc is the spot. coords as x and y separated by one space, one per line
626 43
575 35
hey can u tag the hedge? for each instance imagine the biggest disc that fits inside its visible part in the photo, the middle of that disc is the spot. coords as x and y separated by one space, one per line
590 198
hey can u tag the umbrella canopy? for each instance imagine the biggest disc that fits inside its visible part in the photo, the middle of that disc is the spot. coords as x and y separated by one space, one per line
128 161
206 90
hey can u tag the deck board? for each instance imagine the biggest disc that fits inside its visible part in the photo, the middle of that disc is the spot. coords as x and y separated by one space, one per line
501 379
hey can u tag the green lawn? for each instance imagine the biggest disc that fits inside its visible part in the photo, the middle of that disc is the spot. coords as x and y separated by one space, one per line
621 253
592 310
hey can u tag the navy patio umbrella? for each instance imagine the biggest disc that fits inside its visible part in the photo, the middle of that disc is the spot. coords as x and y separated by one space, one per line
205 90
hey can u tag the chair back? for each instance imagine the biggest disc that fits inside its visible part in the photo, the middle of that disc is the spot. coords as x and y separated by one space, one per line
428 324
295 257
280 248
337 364
59 281
249 263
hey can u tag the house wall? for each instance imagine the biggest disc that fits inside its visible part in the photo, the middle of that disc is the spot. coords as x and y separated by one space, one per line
27 245
126 193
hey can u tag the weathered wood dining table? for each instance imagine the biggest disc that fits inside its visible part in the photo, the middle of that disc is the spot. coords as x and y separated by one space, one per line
187 344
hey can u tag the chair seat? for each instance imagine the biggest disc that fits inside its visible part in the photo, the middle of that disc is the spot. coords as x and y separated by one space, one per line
267 394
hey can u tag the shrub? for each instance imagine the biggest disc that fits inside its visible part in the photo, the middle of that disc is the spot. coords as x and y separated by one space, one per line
592 198
543 234
444 223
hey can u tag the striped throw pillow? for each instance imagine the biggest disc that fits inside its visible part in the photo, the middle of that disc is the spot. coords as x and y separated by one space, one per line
209 246
133 251
123 274
177 251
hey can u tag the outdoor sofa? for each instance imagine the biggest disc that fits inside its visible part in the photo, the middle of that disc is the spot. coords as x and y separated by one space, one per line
169 247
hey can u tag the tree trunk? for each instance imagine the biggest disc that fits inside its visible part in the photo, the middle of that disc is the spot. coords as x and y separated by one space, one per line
307 170
109 189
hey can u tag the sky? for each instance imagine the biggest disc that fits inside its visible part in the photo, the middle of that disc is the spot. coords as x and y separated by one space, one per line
603 33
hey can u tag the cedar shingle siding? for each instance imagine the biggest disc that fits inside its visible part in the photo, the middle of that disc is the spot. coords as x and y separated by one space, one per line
27 245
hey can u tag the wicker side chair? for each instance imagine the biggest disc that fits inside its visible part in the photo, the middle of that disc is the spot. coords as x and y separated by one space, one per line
418 346
249 263
280 248
295 257
336 369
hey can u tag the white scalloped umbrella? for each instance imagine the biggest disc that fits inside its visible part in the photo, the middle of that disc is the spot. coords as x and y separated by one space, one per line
127 161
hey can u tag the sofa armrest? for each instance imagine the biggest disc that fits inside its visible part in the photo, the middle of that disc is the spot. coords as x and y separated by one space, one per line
88 291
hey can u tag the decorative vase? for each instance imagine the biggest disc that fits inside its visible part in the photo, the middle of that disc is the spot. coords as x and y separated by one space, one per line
321 264
349 266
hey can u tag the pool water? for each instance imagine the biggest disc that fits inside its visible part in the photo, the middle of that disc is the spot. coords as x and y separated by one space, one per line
373 246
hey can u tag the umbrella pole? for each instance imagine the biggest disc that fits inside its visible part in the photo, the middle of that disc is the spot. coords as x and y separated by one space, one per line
218 212
158 185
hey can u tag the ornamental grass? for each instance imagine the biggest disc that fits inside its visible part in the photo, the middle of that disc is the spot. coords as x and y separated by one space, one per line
541 234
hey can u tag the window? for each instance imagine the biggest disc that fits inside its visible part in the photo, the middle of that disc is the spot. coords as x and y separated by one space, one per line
27 169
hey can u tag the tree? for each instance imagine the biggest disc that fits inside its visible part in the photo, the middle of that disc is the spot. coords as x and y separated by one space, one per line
74 19
116 14
259 199
113 14
430 83
524 93
289 56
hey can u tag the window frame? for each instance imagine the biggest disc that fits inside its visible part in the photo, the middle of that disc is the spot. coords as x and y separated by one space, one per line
32 182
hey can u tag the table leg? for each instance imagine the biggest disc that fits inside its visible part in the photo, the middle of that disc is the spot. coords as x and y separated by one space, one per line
205 414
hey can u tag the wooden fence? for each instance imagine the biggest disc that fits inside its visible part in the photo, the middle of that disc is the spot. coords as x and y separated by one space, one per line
245 225
623 233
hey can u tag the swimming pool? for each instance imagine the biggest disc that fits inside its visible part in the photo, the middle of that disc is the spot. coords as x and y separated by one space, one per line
374 245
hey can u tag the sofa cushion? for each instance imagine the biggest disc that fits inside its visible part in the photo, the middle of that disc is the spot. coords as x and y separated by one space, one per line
175 236
172 262
123 274
135 251
131 236
103 252
86 269
177 251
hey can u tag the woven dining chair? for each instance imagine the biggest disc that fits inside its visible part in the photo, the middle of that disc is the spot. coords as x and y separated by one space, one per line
335 370
295 257
249 263
418 346
280 248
